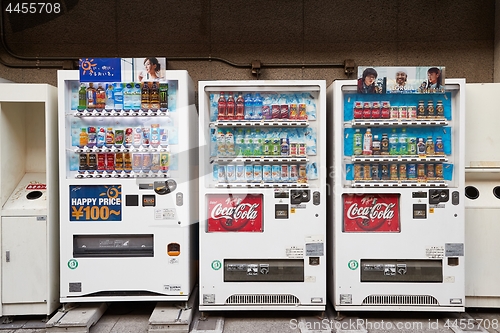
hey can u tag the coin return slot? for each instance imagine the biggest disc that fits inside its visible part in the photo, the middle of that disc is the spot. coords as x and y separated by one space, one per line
496 192
452 261
471 192
34 195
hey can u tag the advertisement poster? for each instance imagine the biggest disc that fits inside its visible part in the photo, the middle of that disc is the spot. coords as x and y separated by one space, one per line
235 212
371 212
95 203
401 80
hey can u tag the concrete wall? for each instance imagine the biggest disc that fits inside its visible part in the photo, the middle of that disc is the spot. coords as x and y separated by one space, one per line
458 34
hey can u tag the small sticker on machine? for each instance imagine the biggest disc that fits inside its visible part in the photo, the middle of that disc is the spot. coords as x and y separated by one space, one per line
314 249
165 214
434 252
295 252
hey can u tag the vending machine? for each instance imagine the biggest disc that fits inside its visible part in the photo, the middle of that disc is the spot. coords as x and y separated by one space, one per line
262 195
129 204
29 192
397 199
482 195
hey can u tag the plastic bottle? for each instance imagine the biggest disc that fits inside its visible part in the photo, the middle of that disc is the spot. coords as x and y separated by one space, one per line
91 102
221 143
145 96
393 143
136 96
127 97
248 107
118 95
110 137
248 143
221 107
367 142
101 137
257 143
384 144
376 144
239 142
110 99
357 142
403 142
82 97
92 137
231 107
257 107
100 97
84 138
240 107
229 139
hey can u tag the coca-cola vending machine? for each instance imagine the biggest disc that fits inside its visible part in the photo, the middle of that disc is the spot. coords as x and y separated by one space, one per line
397 201
262 195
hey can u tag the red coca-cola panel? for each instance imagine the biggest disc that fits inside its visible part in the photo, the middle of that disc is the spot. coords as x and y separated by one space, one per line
371 212
235 212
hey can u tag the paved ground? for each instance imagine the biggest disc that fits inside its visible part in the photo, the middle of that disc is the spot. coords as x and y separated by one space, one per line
133 317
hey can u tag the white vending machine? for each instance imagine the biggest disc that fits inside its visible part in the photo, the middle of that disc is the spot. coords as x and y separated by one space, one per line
397 200
262 195
29 200
129 204
482 192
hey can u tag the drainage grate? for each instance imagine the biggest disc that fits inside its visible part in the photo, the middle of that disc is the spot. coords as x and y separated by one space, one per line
400 300
263 299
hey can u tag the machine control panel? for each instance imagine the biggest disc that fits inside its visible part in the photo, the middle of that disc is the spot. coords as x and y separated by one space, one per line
399 270
264 270
300 196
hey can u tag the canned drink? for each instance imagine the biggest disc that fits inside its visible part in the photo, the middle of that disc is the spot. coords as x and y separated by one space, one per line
376 111
294 173
110 162
240 173
302 149
215 172
165 161
118 162
293 148
439 146
384 171
367 110
267 173
421 110
375 172
294 112
394 171
137 162
431 112
82 162
146 162
429 146
249 173
101 162
127 162
302 174
221 172
284 173
276 173
266 112
119 137
394 113
439 171
439 109
358 172
284 112
412 112
358 110
430 171
412 171
421 172
155 162
231 173
367 172
257 173
275 111
385 112
403 112
302 112
402 171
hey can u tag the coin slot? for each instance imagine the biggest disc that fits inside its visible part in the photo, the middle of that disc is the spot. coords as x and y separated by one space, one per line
496 192
34 195
471 192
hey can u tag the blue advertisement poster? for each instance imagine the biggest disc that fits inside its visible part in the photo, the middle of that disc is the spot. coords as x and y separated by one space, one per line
100 70
95 203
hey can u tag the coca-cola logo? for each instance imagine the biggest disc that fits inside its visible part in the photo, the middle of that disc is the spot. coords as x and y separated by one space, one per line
233 214
371 213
